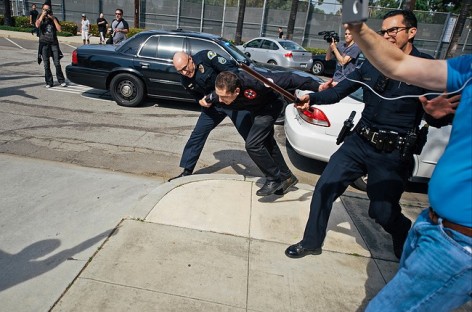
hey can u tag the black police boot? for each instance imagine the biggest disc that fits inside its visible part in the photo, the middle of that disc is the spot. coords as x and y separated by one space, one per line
399 236
269 188
299 251
286 185
184 173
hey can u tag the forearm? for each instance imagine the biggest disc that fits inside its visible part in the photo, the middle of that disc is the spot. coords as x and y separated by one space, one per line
392 62
57 24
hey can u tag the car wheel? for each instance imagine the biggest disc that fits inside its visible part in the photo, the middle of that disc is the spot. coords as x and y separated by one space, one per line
361 183
127 90
272 62
317 68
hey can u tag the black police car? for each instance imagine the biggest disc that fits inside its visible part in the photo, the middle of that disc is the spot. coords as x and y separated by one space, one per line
142 65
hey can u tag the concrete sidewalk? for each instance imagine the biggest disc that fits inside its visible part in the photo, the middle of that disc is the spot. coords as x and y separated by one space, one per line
210 244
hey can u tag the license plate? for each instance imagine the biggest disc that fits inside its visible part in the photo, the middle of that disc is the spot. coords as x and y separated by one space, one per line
303 65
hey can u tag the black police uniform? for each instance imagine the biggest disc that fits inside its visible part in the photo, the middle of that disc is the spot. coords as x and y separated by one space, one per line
365 152
208 65
265 106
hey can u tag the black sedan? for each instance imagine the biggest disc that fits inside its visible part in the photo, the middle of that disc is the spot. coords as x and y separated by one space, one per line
142 65
322 67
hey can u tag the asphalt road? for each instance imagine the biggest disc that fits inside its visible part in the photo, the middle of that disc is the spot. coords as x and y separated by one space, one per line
80 125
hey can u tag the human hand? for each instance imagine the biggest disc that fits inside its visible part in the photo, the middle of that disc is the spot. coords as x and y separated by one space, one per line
332 45
204 103
326 85
303 102
440 106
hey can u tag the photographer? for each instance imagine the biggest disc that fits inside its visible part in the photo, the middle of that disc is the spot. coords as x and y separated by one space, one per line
346 55
48 26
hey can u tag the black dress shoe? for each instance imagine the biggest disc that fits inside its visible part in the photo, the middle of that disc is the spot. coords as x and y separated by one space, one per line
269 188
184 173
286 185
298 251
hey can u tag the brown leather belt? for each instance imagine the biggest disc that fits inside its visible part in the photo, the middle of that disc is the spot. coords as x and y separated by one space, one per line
450 225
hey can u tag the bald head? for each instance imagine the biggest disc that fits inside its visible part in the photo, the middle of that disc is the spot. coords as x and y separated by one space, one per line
183 64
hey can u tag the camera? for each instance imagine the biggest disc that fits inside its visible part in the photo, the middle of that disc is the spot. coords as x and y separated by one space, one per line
48 12
329 36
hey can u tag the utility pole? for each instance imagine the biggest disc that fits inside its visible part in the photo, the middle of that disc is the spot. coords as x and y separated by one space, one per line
136 13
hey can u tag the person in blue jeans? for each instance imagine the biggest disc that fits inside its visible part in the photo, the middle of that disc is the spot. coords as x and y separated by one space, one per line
198 78
435 272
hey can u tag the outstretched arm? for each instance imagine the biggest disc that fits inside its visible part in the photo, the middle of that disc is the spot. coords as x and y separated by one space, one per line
392 62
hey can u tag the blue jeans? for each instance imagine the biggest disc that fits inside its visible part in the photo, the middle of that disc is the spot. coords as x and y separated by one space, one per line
435 272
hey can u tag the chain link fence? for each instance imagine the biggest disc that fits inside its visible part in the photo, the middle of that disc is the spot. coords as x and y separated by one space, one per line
262 18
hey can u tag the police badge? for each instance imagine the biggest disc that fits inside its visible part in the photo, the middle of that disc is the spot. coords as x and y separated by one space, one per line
201 68
211 55
221 60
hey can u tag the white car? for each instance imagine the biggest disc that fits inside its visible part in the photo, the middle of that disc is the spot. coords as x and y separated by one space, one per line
314 135
280 52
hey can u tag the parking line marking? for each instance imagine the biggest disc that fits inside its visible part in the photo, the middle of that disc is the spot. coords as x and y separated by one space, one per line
11 41
68 45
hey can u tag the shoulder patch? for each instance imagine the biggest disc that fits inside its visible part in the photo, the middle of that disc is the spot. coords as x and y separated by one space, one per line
221 60
250 94
211 55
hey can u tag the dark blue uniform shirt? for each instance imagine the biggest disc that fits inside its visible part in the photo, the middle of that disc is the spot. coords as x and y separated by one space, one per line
208 65
254 95
399 115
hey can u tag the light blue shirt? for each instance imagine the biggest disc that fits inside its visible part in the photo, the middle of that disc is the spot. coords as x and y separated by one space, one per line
450 187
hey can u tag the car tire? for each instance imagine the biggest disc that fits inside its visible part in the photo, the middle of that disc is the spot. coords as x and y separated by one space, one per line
127 90
272 62
317 68
361 183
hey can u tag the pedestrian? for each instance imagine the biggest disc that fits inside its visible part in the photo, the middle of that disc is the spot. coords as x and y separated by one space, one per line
346 55
48 26
435 270
242 91
377 147
85 29
281 33
198 75
102 24
119 27
33 16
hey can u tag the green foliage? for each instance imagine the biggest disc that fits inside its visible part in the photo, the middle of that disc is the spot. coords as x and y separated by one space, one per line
134 31
22 22
316 51
69 27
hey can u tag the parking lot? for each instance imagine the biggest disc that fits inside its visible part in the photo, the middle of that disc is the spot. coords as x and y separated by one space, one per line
83 126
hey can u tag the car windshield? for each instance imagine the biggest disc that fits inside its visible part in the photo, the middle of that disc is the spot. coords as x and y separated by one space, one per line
235 52
290 45
358 95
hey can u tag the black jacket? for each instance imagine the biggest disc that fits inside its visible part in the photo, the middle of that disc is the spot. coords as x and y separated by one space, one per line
208 65
254 95
399 115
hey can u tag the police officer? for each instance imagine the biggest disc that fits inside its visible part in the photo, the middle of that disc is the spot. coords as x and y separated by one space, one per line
198 78
242 91
377 147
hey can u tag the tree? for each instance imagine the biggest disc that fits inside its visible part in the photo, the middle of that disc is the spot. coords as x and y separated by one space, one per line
240 22
8 21
463 14
291 20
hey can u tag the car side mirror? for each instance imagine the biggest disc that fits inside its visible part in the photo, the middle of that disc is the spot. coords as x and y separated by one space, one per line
247 54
